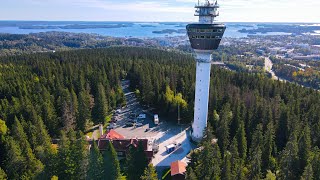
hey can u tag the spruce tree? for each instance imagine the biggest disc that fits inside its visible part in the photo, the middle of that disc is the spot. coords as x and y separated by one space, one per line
111 164
268 149
226 168
223 128
100 105
33 166
136 162
304 148
242 142
149 173
15 161
95 168
289 159
191 175
84 116
209 162
3 175
307 173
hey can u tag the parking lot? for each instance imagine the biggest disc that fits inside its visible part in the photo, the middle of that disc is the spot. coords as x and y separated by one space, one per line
164 134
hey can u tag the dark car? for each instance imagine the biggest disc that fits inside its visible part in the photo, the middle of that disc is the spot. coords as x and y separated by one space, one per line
129 124
132 115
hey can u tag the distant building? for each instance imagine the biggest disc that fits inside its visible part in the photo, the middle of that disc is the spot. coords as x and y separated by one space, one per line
178 170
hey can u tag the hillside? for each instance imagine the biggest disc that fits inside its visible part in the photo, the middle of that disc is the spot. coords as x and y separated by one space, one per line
263 126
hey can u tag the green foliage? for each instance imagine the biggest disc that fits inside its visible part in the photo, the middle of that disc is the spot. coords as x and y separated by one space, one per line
270 176
3 128
54 178
136 162
95 168
308 173
3 175
111 164
70 90
190 175
149 173
101 107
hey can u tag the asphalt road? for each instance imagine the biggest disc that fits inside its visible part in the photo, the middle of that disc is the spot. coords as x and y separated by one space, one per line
163 134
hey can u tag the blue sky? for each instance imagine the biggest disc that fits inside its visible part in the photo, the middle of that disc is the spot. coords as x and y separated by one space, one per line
159 10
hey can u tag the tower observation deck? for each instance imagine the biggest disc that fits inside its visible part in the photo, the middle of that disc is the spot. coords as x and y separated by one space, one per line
205 37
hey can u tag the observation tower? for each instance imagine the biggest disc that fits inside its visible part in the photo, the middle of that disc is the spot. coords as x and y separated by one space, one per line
205 37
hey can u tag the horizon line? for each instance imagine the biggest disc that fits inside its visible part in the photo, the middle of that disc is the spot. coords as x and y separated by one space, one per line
291 22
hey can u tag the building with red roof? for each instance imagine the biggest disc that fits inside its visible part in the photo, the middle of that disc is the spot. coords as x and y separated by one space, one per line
112 134
122 145
178 170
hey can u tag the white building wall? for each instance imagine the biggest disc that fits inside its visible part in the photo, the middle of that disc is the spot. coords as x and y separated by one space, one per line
201 95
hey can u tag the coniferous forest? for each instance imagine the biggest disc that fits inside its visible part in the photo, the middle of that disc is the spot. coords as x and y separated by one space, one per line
265 129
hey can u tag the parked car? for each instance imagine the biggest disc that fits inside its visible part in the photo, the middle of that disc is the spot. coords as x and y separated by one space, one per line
156 119
132 115
129 124
139 124
142 116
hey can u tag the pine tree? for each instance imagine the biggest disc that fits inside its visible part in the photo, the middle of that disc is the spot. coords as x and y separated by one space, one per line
3 175
242 142
256 153
190 175
49 114
84 116
226 168
111 164
3 134
100 107
304 148
209 162
308 173
234 159
289 159
95 169
149 173
270 176
79 155
223 128
65 166
32 165
268 149
15 161
137 162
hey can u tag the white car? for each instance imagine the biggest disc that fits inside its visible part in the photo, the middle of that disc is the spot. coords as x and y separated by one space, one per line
139 124
156 119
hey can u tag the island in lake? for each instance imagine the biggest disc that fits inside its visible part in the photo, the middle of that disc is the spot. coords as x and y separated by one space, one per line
170 31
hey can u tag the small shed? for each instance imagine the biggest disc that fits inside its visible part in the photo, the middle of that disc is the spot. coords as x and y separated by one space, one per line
178 170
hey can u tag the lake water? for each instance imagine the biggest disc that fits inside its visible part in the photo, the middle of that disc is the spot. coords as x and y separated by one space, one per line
140 30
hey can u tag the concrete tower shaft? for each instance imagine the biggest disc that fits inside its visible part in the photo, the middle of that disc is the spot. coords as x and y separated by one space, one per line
204 37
